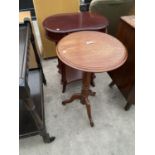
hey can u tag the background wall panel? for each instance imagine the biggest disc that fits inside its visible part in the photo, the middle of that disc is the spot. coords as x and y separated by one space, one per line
45 8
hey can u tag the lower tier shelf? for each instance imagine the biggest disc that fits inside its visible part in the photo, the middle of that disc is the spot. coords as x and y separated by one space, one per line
27 126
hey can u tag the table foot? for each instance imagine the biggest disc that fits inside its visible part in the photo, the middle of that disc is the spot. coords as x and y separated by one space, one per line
111 84
74 97
92 124
127 106
88 107
91 93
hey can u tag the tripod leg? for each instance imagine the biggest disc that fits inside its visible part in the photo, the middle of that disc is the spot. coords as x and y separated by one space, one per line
74 97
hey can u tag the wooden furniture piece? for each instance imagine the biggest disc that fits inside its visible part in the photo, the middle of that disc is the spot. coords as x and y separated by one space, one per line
113 10
124 77
31 103
60 25
97 52
45 8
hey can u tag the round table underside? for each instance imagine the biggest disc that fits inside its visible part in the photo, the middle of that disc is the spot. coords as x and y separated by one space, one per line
91 51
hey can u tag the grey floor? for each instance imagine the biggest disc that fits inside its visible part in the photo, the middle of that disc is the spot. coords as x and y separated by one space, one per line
114 131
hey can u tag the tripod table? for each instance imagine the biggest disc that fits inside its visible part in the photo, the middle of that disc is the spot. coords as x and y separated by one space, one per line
90 52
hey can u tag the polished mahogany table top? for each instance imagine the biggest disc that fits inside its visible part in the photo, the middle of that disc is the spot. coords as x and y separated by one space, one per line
71 22
91 51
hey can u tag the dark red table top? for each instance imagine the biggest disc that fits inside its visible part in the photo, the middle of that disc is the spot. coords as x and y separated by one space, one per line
71 22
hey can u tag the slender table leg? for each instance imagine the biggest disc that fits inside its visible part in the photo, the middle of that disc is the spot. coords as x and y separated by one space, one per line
92 82
85 93
88 107
83 97
39 123
63 76
131 98
59 66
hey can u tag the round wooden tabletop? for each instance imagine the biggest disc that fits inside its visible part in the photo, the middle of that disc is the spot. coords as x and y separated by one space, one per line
91 51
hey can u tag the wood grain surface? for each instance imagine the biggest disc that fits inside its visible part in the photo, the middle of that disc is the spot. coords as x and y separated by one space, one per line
91 51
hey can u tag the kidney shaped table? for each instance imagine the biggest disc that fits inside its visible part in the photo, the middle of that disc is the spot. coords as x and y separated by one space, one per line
90 52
